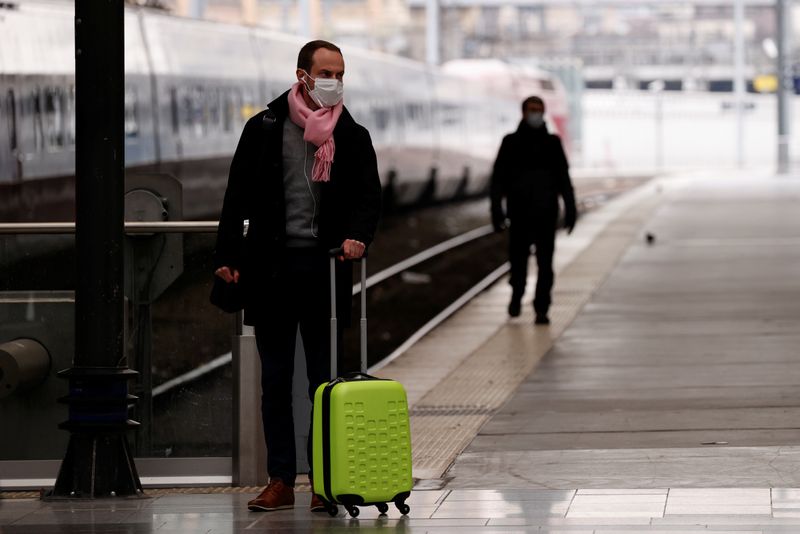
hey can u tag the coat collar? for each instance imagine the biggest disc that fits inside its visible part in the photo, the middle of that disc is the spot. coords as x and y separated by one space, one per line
525 129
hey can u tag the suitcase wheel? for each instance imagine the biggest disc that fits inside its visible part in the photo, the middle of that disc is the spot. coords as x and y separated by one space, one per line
333 510
352 510
403 507
382 508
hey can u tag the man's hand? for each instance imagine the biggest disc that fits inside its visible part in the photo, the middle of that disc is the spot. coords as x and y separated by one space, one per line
498 220
353 249
228 275
569 220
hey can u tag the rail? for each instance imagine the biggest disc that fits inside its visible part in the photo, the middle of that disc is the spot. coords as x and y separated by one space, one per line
199 227
211 226
131 227
425 255
248 458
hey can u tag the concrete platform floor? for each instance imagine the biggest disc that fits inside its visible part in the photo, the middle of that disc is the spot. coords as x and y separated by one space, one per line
582 511
682 370
666 393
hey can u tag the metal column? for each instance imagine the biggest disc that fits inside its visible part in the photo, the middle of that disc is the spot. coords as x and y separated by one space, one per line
785 82
432 32
304 22
739 78
98 461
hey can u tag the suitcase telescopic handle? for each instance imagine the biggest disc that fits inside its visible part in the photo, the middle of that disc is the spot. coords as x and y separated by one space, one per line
335 253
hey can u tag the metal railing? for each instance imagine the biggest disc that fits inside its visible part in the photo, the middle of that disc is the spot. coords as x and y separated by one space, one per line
249 455
199 227
131 227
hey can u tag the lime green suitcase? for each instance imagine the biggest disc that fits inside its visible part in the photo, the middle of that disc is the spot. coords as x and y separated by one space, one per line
361 435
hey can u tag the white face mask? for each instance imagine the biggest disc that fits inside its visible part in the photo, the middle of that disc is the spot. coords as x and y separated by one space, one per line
535 120
327 92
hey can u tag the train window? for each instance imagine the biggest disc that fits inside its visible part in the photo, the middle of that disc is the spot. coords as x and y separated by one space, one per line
174 112
38 121
599 84
720 86
70 116
227 111
414 112
187 110
131 112
54 111
547 85
198 118
236 106
49 118
451 115
11 110
427 115
214 108
248 108
381 117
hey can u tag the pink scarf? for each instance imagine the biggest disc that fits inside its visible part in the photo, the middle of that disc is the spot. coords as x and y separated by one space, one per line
318 125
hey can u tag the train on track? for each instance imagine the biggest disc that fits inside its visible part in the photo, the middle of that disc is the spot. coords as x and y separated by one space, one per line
190 86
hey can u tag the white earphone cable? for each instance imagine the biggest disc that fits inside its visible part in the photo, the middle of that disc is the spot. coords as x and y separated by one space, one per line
310 190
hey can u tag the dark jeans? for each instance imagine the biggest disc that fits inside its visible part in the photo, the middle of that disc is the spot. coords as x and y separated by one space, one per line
543 237
304 300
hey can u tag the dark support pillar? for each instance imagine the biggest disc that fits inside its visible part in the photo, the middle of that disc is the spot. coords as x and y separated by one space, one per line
100 181
98 462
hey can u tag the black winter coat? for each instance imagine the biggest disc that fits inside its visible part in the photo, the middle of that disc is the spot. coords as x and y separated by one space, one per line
350 205
531 172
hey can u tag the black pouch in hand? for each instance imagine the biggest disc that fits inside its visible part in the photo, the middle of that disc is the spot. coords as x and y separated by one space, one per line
229 297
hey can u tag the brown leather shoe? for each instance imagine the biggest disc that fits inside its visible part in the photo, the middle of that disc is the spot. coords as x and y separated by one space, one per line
276 496
316 504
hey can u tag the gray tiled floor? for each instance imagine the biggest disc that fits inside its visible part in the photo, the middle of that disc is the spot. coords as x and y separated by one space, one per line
680 510
681 370
691 341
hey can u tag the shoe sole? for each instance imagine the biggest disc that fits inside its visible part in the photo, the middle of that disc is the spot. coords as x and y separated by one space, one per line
257 508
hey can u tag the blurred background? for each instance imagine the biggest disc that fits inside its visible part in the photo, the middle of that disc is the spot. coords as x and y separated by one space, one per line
608 54
635 88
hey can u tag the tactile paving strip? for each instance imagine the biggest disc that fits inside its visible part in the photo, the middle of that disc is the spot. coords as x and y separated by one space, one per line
159 492
446 419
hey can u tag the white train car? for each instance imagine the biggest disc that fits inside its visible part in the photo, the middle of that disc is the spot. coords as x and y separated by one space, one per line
191 85
516 82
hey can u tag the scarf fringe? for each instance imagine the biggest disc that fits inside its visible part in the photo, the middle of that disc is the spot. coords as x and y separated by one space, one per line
318 126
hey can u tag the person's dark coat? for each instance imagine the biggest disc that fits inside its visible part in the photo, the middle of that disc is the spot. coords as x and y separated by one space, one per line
350 205
531 172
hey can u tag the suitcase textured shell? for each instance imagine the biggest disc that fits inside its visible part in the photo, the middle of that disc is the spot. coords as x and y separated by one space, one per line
370 442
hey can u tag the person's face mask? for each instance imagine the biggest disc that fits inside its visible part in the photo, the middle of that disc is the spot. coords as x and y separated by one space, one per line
327 92
535 120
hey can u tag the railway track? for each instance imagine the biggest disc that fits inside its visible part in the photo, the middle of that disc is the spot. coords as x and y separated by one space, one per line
425 264
412 290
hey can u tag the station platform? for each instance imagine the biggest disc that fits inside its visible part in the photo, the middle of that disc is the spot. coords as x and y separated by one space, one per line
663 397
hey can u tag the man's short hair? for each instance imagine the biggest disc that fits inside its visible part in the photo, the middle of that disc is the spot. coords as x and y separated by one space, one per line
306 55
532 100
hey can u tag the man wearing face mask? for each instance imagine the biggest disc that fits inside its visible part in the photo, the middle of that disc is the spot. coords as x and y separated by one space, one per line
531 173
305 176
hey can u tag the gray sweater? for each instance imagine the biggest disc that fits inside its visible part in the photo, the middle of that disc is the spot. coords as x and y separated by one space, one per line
302 194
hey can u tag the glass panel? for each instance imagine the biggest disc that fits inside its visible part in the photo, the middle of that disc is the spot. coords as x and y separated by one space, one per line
176 339
36 301
190 360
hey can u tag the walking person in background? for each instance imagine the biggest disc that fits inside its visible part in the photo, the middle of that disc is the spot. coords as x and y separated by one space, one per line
305 176
531 172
